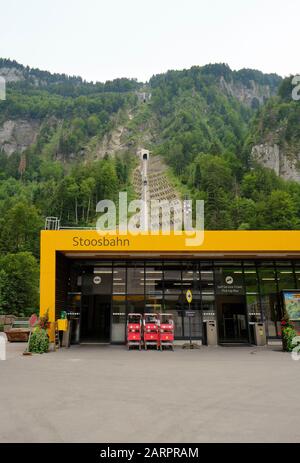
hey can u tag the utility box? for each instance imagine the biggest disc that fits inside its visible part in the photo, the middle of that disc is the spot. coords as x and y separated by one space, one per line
211 333
260 338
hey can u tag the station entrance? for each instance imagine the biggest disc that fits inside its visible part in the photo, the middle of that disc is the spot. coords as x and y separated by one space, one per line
99 294
95 315
232 319
238 279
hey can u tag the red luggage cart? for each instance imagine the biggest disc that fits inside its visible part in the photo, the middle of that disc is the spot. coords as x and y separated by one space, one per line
134 330
151 327
166 330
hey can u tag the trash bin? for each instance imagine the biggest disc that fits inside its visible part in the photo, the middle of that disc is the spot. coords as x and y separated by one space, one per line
260 338
211 333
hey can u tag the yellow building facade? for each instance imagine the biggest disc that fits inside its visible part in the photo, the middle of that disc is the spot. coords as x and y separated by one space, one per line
236 278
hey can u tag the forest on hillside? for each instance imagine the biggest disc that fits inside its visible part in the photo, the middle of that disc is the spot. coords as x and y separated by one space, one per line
204 133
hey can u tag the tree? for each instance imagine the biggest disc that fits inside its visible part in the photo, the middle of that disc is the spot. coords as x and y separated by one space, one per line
18 283
243 213
107 180
87 189
93 125
278 212
20 228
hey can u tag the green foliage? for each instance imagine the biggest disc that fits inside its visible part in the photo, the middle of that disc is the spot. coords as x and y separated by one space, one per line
18 283
193 120
39 341
286 88
204 133
288 334
20 226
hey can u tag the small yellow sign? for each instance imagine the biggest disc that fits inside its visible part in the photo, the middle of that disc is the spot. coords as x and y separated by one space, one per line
189 296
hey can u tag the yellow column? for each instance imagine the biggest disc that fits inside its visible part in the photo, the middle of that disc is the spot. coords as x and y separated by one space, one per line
47 281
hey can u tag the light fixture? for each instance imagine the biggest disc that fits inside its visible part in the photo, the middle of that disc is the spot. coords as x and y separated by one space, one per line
102 271
153 271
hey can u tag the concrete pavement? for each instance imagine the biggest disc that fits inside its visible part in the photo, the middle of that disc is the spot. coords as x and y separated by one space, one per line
107 394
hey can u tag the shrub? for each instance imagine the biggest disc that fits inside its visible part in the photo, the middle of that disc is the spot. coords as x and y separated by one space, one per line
288 333
43 322
39 341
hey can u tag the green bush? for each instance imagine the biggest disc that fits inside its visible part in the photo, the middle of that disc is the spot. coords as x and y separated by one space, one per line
1 328
39 341
288 334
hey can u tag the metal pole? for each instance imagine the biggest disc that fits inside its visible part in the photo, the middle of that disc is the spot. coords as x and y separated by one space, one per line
190 326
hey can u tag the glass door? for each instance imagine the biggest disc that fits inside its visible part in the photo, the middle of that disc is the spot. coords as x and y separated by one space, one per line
232 321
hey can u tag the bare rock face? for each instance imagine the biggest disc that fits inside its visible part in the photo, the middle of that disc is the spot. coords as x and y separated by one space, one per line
273 157
17 135
251 95
11 74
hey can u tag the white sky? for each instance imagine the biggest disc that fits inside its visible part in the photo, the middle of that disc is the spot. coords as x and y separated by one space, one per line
105 39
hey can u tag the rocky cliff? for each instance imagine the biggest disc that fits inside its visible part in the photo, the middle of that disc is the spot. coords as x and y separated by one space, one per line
252 95
275 134
17 135
284 164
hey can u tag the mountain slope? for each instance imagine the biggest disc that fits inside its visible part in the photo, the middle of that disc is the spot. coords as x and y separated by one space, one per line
66 143
274 137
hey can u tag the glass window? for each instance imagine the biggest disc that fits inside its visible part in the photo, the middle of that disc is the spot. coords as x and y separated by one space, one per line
208 307
253 307
119 280
172 278
177 316
285 276
297 274
172 305
206 279
154 303
207 285
229 280
269 297
154 279
251 280
195 321
267 278
97 280
272 310
252 293
135 303
135 279
190 279
118 319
